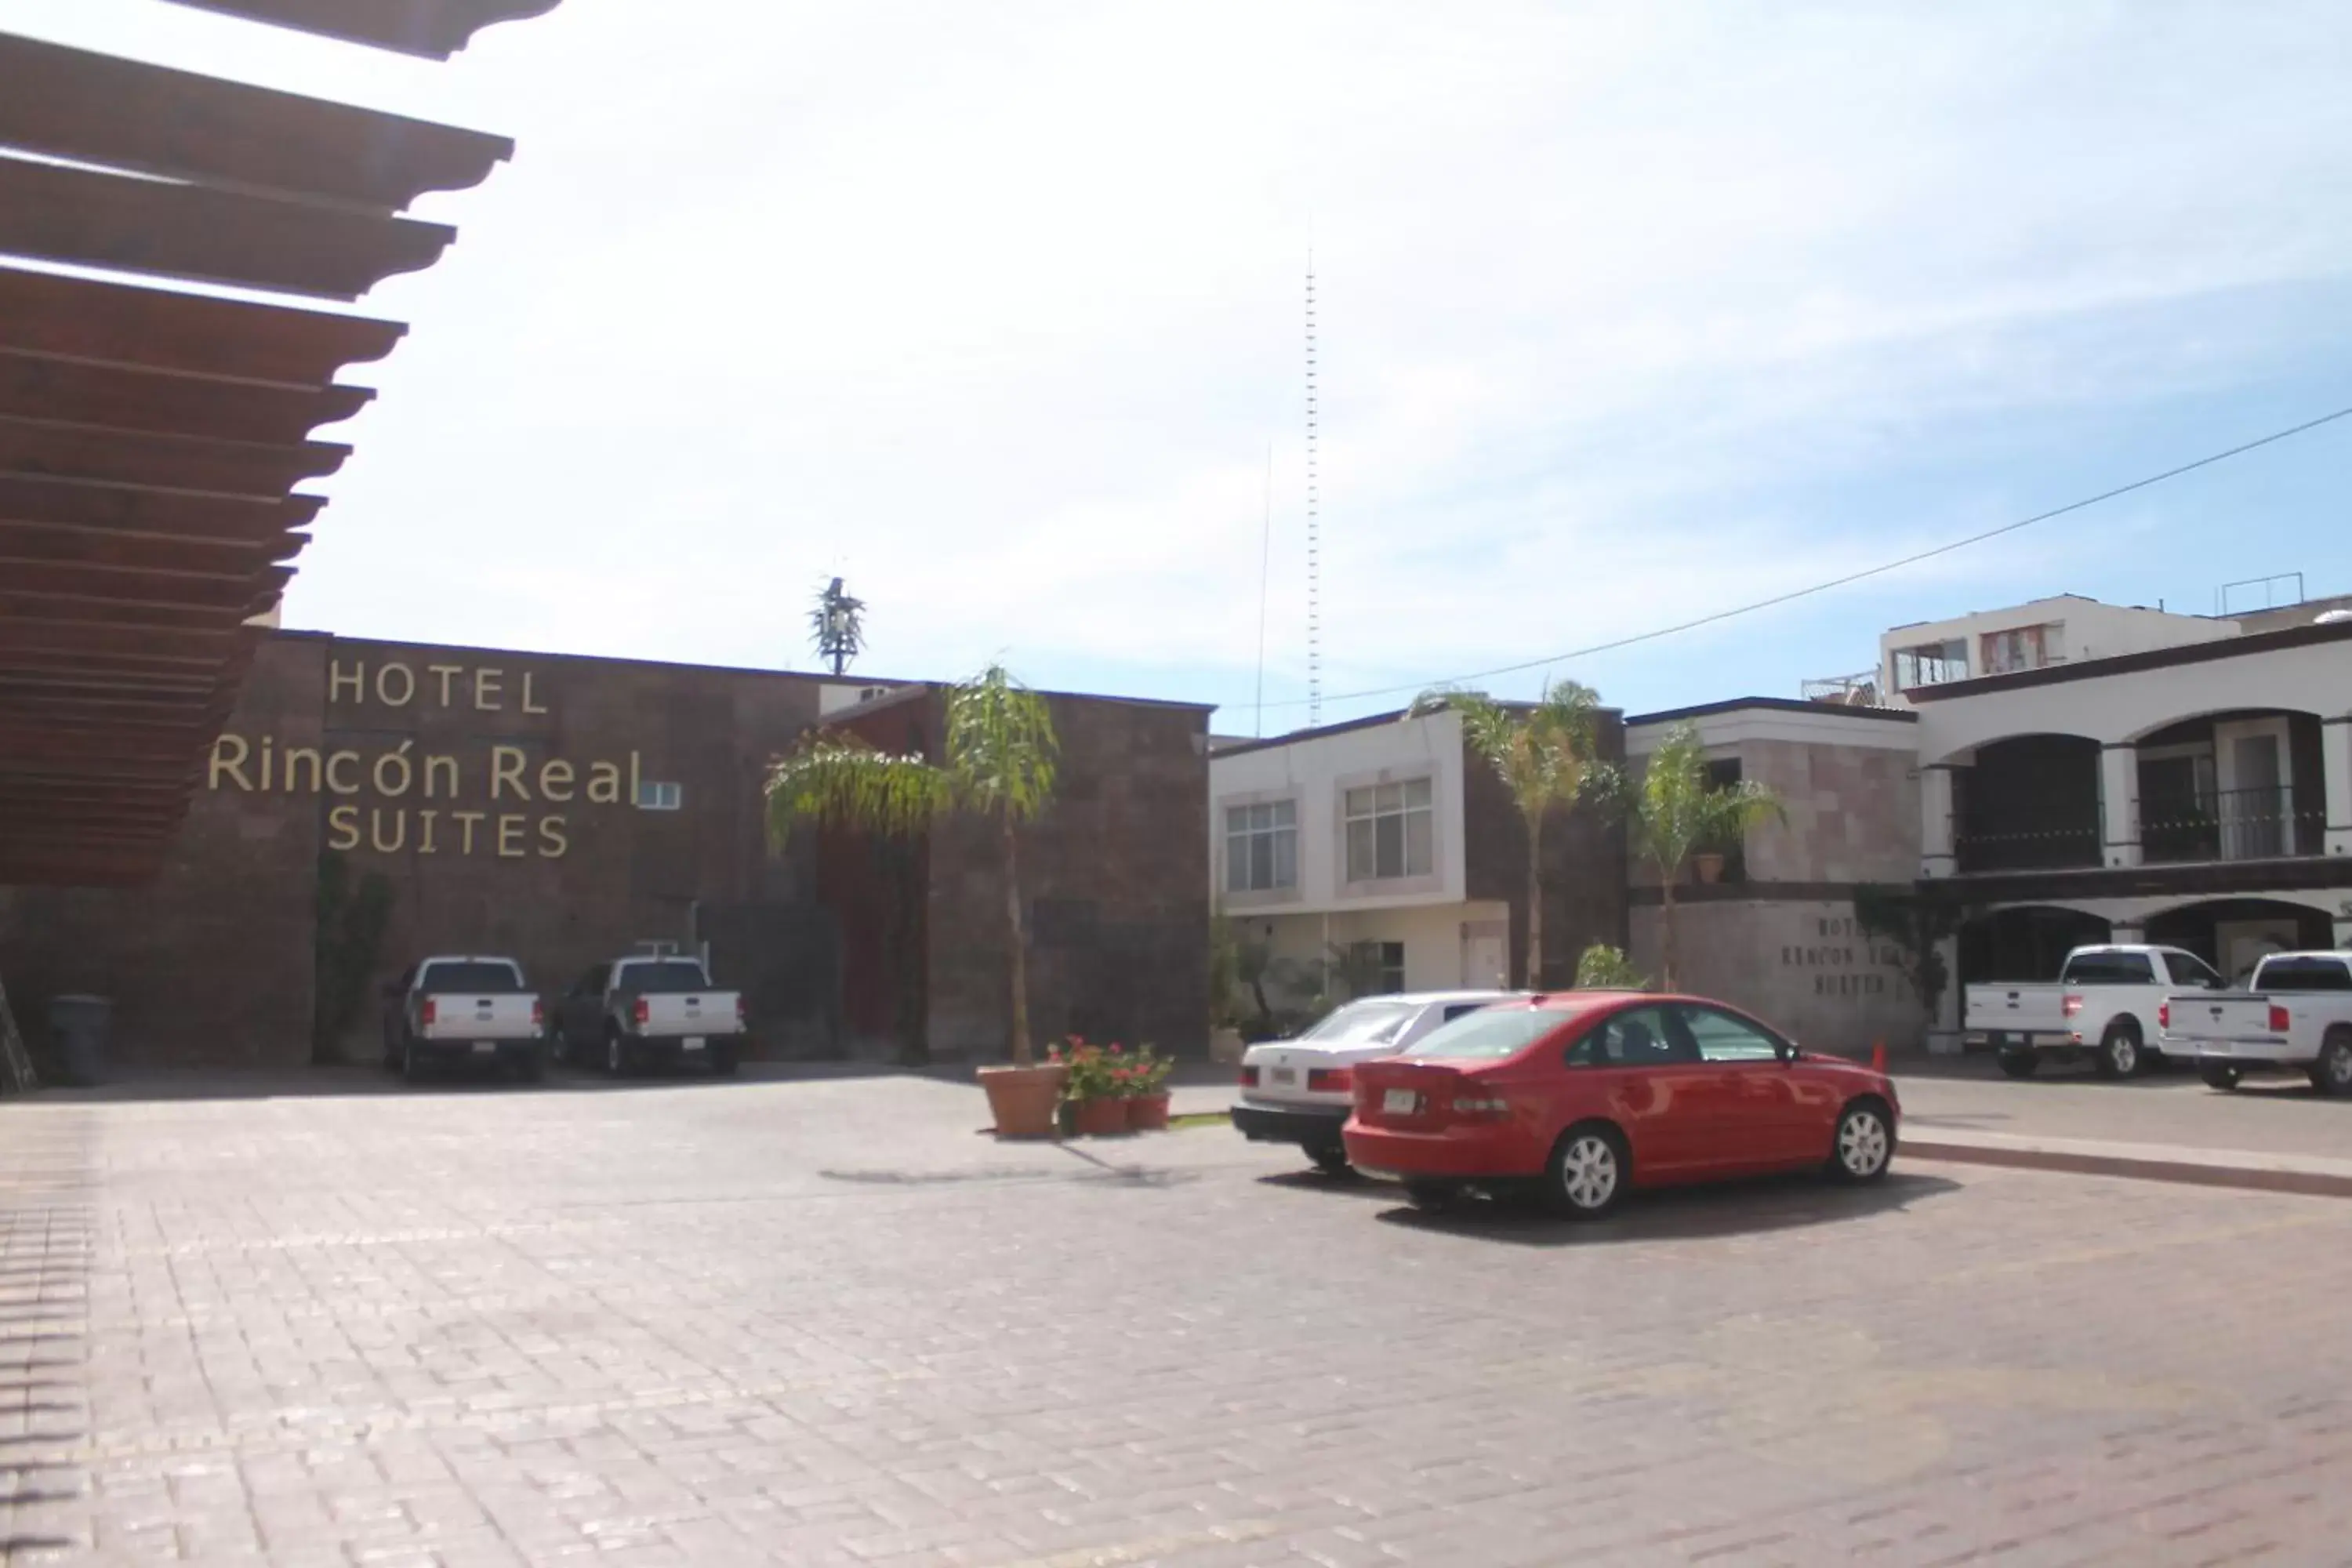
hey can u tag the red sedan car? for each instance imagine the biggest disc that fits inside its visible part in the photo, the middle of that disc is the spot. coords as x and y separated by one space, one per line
1587 1094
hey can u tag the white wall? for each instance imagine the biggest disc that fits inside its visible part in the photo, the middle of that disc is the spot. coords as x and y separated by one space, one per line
2092 630
1313 772
2315 678
1431 934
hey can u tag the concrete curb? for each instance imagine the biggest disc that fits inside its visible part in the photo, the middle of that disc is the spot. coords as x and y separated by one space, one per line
2242 1170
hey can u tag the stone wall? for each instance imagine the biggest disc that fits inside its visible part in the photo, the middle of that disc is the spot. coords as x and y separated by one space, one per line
1584 855
1801 965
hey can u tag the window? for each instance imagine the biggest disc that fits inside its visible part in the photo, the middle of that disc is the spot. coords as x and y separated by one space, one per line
1371 1023
2023 648
654 796
1640 1037
1490 1035
2303 975
2188 969
1463 1009
1383 965
1724 1038
1930 664
1722 774
2108 969
1391 831
1262 847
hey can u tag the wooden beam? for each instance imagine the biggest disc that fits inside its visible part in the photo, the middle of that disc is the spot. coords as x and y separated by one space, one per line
92 218
54 449
161 514
433 28
155 328
130 585
203 649
82 610
235 560
43 386
127 114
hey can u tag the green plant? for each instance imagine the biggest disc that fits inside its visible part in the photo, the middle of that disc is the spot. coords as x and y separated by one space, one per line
1001 765
349 923
1916 927
1676 815
1548 758
1605 968
1107 1072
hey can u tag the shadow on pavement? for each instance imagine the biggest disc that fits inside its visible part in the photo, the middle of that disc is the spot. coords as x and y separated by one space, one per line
1676 1214
343 1079
45 1243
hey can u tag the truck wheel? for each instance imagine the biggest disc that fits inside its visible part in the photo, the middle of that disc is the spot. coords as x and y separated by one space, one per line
617 1061
412 1067
2332 1073
2217 1076
2018 1064
2120 1055
722 1061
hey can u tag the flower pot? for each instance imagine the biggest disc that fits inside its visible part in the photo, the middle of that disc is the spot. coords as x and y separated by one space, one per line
1021 1099
1100 1118
1148 1113
1708 867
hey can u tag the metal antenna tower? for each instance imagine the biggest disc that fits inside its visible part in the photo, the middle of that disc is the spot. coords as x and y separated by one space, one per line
1314 523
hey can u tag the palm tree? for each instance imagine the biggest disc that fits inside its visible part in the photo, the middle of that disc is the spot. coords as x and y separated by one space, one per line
1676 815
1548 758
1002 761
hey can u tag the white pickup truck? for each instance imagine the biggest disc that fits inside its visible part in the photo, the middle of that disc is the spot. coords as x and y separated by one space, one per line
448 1010
2295 1015
624 1015
2105 1001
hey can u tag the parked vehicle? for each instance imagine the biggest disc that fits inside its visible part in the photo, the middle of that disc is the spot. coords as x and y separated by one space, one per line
1301 1091
1584 1096
2104 1002
2294 1016
629 1014
447 1010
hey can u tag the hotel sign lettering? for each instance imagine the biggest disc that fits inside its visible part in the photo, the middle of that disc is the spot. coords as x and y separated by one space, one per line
396 798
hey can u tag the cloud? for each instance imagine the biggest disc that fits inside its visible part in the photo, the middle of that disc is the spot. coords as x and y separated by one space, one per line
1627 313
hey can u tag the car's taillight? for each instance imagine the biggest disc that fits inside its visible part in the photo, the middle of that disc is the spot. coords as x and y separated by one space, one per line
1483 1106
428 1013
1330 1081
2069 1007
2164 1015
642 1012
2279 1019
538 1014
1249 1077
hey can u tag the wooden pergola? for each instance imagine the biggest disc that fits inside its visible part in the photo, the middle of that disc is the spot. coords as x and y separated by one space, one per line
151 439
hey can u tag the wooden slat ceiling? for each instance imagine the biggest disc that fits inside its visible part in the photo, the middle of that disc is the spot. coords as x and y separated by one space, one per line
151 440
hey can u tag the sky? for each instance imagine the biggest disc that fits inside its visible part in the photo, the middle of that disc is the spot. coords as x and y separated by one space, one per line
1627 314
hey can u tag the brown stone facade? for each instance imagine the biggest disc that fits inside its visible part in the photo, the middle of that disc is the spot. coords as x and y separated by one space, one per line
1110 879
1583 865
562 810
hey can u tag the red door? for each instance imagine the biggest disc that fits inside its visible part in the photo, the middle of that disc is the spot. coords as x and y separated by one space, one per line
1750 1101
1638 1069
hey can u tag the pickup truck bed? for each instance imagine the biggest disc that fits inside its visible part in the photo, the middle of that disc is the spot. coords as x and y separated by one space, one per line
2295 1016
446 1011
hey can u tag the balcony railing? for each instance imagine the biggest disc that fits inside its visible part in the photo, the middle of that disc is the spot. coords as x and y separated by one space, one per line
2229 825
2052 845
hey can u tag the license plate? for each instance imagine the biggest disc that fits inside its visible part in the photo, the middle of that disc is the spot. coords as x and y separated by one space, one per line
1285 1075
1399 1102
693 1044
483 1048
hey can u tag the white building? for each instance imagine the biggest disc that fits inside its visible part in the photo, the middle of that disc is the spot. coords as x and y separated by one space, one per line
2197 793
2064 630
1383 841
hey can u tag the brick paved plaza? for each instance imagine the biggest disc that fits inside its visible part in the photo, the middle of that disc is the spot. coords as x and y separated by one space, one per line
824 1322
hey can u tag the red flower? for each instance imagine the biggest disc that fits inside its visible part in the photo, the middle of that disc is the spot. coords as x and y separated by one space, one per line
1113 1050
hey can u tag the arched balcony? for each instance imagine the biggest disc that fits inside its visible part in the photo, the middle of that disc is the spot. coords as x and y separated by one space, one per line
2030 802
2247 784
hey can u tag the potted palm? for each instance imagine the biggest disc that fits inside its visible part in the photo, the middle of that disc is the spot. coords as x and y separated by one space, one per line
1677 818
1000 763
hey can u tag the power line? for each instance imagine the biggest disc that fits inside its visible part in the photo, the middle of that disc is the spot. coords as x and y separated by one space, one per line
1795 594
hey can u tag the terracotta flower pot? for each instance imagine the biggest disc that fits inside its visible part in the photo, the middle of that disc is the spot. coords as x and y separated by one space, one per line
1101 1118
1148 1113
1021 1099
1708 867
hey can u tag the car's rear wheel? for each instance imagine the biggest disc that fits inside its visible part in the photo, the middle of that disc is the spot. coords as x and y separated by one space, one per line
1588 1172
2219 1076
1864 1145
2332 1073
1432 1197
2120 1054
2018 1064
1331 1162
